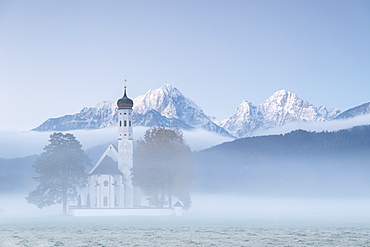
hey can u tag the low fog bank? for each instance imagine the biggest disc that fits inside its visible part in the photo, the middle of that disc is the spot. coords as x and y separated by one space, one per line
227 205
23 143
223 206
333 125
15 205
14 144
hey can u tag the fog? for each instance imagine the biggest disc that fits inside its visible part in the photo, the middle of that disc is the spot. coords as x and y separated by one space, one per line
253 203
23 143
218 205
16 206
224 206
332 125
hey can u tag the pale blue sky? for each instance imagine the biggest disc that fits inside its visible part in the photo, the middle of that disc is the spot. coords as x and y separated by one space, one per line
59 56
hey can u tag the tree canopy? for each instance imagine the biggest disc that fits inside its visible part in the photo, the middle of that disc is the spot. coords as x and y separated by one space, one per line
61 168
163 167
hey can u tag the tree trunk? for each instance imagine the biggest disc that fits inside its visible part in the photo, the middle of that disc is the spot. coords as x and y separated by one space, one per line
64 203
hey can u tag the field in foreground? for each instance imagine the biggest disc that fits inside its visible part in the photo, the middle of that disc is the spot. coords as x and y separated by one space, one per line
186 231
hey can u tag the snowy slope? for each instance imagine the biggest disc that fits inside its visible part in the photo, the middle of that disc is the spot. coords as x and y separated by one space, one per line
170 103
245 120
281 108
360 110
100 116
165 106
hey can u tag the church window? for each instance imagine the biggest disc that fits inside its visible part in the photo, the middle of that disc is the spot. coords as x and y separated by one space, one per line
125 123
125 134
105 201
120 123
129 123
120 113
106 183
125 113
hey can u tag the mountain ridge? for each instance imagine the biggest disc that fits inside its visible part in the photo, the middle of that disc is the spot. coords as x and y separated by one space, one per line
168 107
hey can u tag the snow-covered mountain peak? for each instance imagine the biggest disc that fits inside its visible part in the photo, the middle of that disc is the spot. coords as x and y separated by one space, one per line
168 89
280 108
245 120
170 103
167 100
167 106
100 106
105 104
244 109
281 97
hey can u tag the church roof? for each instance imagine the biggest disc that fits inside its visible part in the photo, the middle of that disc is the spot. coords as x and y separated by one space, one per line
177 204
106 166
125 102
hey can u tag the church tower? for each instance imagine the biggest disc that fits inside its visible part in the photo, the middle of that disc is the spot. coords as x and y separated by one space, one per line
125 146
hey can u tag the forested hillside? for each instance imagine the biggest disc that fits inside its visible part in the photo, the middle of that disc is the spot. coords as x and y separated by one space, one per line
16 174
298 163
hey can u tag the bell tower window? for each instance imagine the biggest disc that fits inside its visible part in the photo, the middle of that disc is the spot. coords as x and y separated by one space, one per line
125 123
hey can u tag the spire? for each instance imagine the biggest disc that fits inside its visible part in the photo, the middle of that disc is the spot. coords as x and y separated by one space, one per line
124 92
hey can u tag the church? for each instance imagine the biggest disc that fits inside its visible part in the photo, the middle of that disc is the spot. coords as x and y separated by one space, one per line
109 191
110 184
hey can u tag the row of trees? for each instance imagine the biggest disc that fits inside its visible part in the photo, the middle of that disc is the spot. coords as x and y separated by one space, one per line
162 169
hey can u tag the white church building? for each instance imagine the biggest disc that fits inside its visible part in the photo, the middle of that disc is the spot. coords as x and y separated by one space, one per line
109 191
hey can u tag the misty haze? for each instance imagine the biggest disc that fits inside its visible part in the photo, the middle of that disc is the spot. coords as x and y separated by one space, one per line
185 123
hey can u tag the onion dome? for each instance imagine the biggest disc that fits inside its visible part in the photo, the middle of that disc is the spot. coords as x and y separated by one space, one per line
125 102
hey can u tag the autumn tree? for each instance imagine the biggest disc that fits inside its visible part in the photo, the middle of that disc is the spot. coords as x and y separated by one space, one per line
163 166
61 168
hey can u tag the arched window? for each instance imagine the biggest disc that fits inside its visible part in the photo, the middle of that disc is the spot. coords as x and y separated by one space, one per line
105 201
125 123
120 123
129 123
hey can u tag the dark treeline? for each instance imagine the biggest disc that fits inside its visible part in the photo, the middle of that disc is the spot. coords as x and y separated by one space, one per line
299 163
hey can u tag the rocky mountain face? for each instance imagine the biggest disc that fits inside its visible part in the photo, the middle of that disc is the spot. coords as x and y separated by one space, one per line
360 110
167 106
281 108
104 114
